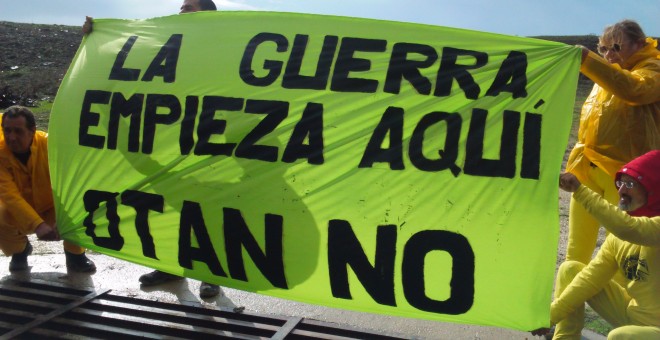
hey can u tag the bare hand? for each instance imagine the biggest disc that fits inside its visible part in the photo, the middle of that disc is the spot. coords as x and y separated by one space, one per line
47 232
568 182
541 331
585 52
87 26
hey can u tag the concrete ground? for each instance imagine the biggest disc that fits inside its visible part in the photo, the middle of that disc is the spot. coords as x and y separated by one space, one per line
47 265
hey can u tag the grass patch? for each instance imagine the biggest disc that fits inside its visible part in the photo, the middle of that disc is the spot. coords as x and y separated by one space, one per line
594 323
42 113
44 107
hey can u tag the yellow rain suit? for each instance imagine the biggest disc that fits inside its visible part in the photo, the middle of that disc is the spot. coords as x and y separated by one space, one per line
26 196
620 120
633 309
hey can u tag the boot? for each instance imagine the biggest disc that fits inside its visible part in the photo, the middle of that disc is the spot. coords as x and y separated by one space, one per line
157 277
79 263
19 260
207 290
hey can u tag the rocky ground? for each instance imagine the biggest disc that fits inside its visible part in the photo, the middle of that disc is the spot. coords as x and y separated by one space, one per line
34 60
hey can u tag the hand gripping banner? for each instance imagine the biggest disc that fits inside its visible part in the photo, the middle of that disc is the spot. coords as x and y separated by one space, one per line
377 166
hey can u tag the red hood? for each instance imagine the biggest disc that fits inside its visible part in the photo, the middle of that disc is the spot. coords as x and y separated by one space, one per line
646 170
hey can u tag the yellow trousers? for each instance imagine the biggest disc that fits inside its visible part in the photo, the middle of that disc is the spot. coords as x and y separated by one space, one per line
611 304
582 227
13 240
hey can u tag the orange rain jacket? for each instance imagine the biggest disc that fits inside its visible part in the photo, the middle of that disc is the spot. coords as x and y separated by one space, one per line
620 119
19 206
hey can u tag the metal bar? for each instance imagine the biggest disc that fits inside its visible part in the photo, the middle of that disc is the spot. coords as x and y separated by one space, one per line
44 318
304 334
287 328
222 312
343 331
92 319
198 315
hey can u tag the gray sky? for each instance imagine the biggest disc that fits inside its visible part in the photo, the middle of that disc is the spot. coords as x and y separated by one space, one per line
513 17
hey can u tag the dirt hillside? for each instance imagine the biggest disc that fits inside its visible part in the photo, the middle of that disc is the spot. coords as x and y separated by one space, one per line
34 60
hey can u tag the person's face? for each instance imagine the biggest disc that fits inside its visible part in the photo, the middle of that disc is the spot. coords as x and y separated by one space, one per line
190 6
617 52
18 136
631 199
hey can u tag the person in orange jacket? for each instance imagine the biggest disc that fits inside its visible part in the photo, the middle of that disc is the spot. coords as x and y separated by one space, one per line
26 197
632 249
620 120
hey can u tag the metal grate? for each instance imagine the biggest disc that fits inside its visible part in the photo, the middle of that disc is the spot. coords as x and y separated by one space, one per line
31 310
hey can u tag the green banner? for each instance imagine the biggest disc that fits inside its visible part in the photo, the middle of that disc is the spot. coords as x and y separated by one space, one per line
377 166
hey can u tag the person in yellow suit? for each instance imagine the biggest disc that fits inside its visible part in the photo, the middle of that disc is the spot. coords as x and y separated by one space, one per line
620 120
26 197
632 249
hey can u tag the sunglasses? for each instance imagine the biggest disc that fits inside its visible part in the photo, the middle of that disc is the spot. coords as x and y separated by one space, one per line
604 49
629 185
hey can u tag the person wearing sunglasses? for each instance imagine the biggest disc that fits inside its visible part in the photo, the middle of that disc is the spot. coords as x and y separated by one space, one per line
632 250
620 120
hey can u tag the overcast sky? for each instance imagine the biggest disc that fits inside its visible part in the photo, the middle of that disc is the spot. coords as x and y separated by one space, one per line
513 17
